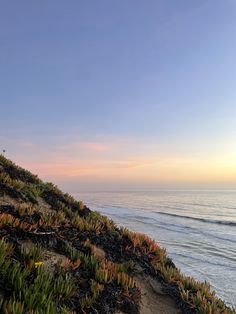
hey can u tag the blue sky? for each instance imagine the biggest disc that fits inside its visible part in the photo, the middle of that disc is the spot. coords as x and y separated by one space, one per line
156 78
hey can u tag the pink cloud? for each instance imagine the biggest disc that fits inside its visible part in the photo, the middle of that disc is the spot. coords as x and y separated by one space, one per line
96 147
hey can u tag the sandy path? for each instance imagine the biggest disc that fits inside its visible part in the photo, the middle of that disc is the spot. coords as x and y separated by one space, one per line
153 299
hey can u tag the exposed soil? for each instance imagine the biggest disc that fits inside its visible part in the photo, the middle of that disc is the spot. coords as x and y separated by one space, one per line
153 299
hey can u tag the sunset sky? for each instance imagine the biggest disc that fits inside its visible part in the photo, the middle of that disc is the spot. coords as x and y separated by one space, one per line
120 94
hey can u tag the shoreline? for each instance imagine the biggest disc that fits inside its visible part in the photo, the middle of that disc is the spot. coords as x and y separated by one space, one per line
102 263
189 255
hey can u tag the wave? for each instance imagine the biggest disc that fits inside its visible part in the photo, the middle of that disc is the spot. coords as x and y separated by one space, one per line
212 221
190 258
173 227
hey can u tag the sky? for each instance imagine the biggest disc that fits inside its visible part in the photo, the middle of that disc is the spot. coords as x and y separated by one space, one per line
127 94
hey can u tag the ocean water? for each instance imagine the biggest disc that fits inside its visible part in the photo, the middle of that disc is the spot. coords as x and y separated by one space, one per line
197 227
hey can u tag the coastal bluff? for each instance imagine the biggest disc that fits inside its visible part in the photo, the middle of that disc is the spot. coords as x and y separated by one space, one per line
58 256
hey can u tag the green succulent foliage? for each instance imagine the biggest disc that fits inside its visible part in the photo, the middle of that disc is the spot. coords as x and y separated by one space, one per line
5 250
17 172
88 262
12 306
64 286
14 276
33 252
38 295
86 302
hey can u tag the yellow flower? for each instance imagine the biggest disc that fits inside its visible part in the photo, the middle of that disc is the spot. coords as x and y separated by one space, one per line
38 264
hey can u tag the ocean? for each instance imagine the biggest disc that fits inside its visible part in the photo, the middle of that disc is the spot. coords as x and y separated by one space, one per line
197 227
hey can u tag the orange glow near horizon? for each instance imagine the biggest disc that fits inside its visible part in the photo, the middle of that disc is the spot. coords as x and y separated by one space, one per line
128 161
166 170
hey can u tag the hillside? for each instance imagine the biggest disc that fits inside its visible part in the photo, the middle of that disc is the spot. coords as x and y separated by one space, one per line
58 256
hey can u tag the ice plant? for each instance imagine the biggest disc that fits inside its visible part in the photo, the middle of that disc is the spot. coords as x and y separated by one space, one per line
65 272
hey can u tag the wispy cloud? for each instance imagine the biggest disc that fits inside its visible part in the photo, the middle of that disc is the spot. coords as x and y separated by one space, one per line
91 146
118 160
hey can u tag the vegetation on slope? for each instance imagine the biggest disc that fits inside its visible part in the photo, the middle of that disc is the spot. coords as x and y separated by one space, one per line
57 256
